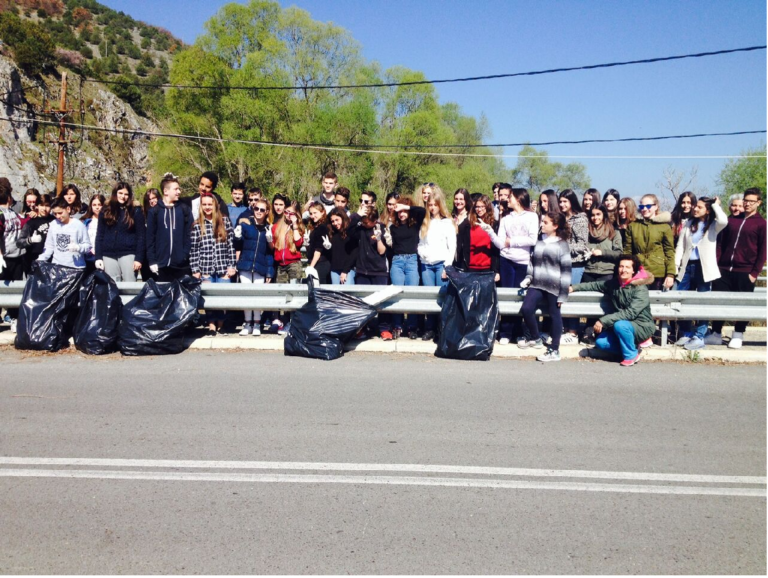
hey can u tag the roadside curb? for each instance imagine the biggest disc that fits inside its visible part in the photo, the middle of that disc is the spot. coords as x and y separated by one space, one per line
748 354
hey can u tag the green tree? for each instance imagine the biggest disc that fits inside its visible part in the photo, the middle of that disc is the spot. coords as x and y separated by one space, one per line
536 172
744 173
33 48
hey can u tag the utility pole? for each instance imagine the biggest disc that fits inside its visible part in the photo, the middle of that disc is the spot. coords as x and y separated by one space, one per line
62 142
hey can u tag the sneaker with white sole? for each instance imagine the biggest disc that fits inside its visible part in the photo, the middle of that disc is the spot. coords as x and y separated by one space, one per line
714 339
646 344
13 326
631 362
284 328
246 330
694 343
504 341
683 340
533 343
545 337
569 339
256 331
550 355
737 340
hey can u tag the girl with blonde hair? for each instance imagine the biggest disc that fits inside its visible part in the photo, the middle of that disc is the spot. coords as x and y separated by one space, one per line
437 248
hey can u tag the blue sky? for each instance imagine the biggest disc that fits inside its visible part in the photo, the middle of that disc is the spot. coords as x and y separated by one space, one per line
453 38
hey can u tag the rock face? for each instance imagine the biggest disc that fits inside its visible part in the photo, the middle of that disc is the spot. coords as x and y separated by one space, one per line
93 162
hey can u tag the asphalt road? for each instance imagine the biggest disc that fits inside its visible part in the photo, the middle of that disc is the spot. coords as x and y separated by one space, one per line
212 462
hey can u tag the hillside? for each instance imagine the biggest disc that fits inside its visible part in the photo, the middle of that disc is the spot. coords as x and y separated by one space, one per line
92 40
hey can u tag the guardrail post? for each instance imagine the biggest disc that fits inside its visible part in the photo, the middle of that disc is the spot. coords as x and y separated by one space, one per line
664 332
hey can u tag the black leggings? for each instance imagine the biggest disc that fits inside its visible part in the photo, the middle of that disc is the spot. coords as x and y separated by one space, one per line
532 299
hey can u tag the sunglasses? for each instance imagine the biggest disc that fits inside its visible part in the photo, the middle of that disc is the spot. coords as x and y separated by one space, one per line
367 202
643 207
427 184
254 199
259 210
289 213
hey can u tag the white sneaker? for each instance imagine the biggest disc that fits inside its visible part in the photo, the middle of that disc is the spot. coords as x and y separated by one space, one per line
737 340
682 341
504 341
714 339
247 329
13 326
545 337
256 331
550 355
284 328
569 339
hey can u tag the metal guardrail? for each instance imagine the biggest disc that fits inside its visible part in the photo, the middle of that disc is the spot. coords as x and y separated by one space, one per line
666 306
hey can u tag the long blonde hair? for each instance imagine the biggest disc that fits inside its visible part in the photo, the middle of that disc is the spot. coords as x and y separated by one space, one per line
418 200
284 231
219 230
438 197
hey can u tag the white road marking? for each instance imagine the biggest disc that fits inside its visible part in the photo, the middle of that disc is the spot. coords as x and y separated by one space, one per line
357 467
382 480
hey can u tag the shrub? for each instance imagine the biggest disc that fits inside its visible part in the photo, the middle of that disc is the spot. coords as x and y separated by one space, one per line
70 58
33 49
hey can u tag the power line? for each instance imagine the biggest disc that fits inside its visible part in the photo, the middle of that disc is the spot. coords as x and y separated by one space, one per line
439 81
344 148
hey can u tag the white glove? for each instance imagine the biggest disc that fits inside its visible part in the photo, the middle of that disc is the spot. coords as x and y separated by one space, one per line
312 272
35 238
525 283
154 269
306 238
326 243
388 237
269 234
238 232
485 227
2 263
73 248
99 264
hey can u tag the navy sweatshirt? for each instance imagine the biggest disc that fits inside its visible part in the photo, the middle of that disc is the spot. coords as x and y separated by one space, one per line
118 240
169 235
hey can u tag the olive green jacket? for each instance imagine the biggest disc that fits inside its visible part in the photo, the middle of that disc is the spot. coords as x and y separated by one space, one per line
653 243
630 303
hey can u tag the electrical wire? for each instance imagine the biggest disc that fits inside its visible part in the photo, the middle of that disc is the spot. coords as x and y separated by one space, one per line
439 81
342 148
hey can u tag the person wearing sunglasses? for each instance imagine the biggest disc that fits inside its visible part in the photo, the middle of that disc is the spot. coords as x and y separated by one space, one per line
742 250
255 258
650 238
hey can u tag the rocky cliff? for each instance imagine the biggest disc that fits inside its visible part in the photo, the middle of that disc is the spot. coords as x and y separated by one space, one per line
94 161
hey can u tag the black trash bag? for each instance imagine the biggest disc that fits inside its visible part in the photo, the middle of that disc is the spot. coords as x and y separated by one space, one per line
329 319
469 317
48 307
155 321
96 325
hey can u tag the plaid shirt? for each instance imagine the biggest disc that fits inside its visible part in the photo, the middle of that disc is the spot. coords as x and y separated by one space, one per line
209 256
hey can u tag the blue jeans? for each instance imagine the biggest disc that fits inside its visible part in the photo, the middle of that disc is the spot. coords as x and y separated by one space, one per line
618 339
693 280
219 315
432 276
571 324
405 271
512 274
336 277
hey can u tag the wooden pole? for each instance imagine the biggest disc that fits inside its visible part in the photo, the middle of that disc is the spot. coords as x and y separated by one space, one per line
62 133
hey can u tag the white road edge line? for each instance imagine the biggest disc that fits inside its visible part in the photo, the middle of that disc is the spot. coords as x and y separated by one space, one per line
381 480
357 467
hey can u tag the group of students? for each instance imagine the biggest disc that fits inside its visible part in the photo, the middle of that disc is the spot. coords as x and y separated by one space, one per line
546 246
